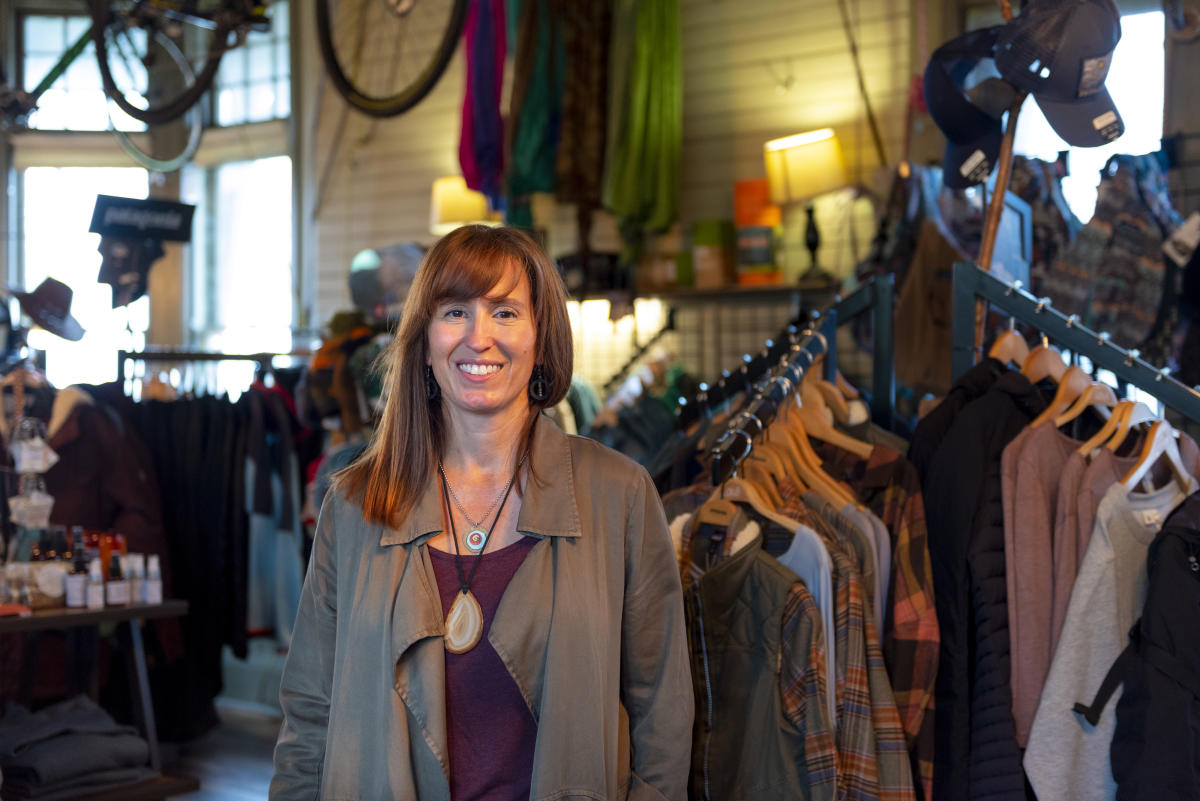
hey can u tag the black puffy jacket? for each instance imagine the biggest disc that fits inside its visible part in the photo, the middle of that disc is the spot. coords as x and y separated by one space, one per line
976 754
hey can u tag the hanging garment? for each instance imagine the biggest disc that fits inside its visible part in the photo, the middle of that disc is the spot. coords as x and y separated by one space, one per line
1113 273
1030 470
1075 516
481 145
645 123
535 111
976 754
888 484
757 650
579 169
932 429
1156 747
922 319
1067 756
1039 183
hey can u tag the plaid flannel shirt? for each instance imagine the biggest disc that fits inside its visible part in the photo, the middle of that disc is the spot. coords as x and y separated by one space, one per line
870 741
889 486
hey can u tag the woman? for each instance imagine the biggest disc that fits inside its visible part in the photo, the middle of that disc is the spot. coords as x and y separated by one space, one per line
552 664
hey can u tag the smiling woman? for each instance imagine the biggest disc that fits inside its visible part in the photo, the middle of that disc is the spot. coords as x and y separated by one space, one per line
499 598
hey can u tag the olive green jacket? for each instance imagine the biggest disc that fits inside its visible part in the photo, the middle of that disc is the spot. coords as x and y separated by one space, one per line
591 628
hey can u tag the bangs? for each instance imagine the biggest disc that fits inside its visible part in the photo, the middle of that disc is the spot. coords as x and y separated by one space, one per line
474 272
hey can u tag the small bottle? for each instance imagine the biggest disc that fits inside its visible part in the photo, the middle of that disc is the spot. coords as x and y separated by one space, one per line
152 592
66 549
116 589
77 582
135 571
95 585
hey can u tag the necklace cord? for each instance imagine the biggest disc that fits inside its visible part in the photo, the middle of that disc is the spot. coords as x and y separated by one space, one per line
464 582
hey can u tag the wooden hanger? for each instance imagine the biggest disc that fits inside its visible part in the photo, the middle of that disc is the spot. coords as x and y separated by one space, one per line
1107 430
1160 442
1044 361
1138 414
835 401
1098 394
812 414
805 462
1074 382
845 387
1010 347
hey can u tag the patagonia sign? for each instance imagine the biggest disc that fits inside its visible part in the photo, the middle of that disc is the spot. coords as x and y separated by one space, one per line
131 218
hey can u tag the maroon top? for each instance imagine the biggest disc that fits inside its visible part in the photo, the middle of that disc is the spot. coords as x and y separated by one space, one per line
490 729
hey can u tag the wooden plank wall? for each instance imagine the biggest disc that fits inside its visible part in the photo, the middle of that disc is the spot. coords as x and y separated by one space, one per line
753 70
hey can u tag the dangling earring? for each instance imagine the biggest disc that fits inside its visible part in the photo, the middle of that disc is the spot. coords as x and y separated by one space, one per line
432 390
539 387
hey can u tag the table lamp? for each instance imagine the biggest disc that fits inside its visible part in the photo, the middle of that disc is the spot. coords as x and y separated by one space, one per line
453 205
800 167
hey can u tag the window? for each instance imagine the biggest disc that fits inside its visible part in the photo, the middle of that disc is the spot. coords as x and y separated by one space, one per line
243 300
1135 81
252 83
76 101
57 210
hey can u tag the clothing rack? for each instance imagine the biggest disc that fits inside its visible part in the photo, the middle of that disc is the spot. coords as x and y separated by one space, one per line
641 351
970 283
169 355
735 444
877 298
753 368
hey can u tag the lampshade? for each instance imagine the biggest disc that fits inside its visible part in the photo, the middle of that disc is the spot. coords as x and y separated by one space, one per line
804 165
454 205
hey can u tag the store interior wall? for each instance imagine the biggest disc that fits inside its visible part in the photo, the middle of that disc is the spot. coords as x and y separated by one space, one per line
753 71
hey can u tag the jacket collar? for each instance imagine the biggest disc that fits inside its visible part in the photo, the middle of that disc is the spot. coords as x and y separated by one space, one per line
547 510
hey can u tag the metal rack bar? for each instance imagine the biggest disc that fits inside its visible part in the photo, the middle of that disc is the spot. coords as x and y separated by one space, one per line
970 283
876 297
263 359
778 385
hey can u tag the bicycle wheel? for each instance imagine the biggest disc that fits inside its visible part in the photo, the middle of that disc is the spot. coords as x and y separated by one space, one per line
185 130
136 77
384 56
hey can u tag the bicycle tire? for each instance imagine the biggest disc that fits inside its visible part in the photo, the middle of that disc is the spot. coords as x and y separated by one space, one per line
398 102
195 125
172 109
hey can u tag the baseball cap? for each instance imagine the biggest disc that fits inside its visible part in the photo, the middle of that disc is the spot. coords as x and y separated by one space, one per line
1060 51
970 118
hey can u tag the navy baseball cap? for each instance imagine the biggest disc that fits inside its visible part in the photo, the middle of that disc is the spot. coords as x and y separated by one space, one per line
970 119
1060 51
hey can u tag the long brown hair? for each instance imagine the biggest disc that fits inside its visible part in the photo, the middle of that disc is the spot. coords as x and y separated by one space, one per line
465 264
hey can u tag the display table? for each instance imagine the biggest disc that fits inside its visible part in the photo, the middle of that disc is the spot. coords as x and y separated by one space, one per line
52 619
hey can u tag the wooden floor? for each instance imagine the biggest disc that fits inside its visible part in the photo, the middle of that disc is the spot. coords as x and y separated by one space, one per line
233 761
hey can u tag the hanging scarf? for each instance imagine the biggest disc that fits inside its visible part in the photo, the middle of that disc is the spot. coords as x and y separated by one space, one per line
481 146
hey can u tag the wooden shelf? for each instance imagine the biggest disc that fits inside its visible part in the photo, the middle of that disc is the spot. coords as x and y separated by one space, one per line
150 790
64 618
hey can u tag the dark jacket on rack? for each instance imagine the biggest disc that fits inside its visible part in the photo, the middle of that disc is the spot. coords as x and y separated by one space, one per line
932 429
1156 745
104 480
976 754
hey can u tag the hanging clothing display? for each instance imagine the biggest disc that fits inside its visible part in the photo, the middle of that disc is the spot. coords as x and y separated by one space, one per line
481 144
1155 750
645 123
1065 759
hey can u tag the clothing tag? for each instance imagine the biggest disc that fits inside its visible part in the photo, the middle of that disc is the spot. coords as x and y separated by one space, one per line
1180 246
33 456
1151 518
973 164
1091 77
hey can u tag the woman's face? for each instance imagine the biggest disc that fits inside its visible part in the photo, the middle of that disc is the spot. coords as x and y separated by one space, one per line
482 350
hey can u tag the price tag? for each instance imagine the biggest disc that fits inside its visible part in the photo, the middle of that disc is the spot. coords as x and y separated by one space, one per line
1182 244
